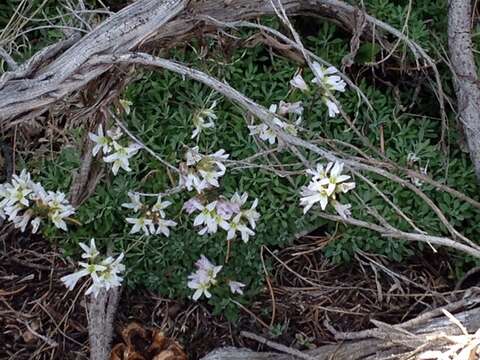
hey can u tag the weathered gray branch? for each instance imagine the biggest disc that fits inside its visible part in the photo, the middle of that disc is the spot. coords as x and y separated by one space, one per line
121 32
101 313
465 75
408 340
267 117
151 22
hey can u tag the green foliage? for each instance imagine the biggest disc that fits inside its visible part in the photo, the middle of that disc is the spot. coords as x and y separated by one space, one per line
162 117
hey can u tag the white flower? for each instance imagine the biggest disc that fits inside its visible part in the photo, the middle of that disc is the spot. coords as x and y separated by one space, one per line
416 181
220 155
321 73
299 83
273 108
126 105
335 83
320 172
335 177
140 224
204 278
325 78
211 167
101 142
135 203
35 224
107 278
18 190
236 287
202 171
160 205
103 273
96 286
345 187
24 201
251 214
227 208
121 155
265 133
199 120
89 252
341 209
21 222
210 177
199 282
200 125
39 194
211 219
58 219
59 209
151 219
193 156
239 200
71 280
110 278
88 269
203 264
192 205
23 180
116 266
285 108
163 226
192 180
114 133
57 201
312 194
236 225
333 109
325 184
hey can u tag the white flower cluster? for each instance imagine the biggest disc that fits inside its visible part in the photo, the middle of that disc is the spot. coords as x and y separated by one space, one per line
25 202
104 272
226 214
151 219
266 133
324 187
414 160
204 119
326 79
201 172
110 145
205 277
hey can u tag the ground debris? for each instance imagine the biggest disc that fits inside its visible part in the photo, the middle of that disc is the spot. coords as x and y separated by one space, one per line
141 343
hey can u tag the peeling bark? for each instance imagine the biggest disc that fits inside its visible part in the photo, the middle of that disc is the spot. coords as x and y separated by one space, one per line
118 34
465 75
145 23
392 342
101 313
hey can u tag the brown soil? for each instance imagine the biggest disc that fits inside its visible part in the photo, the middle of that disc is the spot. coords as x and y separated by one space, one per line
40 320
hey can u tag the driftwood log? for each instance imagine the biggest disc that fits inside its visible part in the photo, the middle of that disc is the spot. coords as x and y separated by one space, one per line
425 337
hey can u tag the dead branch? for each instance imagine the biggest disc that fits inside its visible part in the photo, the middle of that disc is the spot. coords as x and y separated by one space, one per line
101 312
465 75
37 84
122 32
423 335
263 114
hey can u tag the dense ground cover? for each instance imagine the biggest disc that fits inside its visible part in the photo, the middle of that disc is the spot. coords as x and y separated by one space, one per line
403 125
